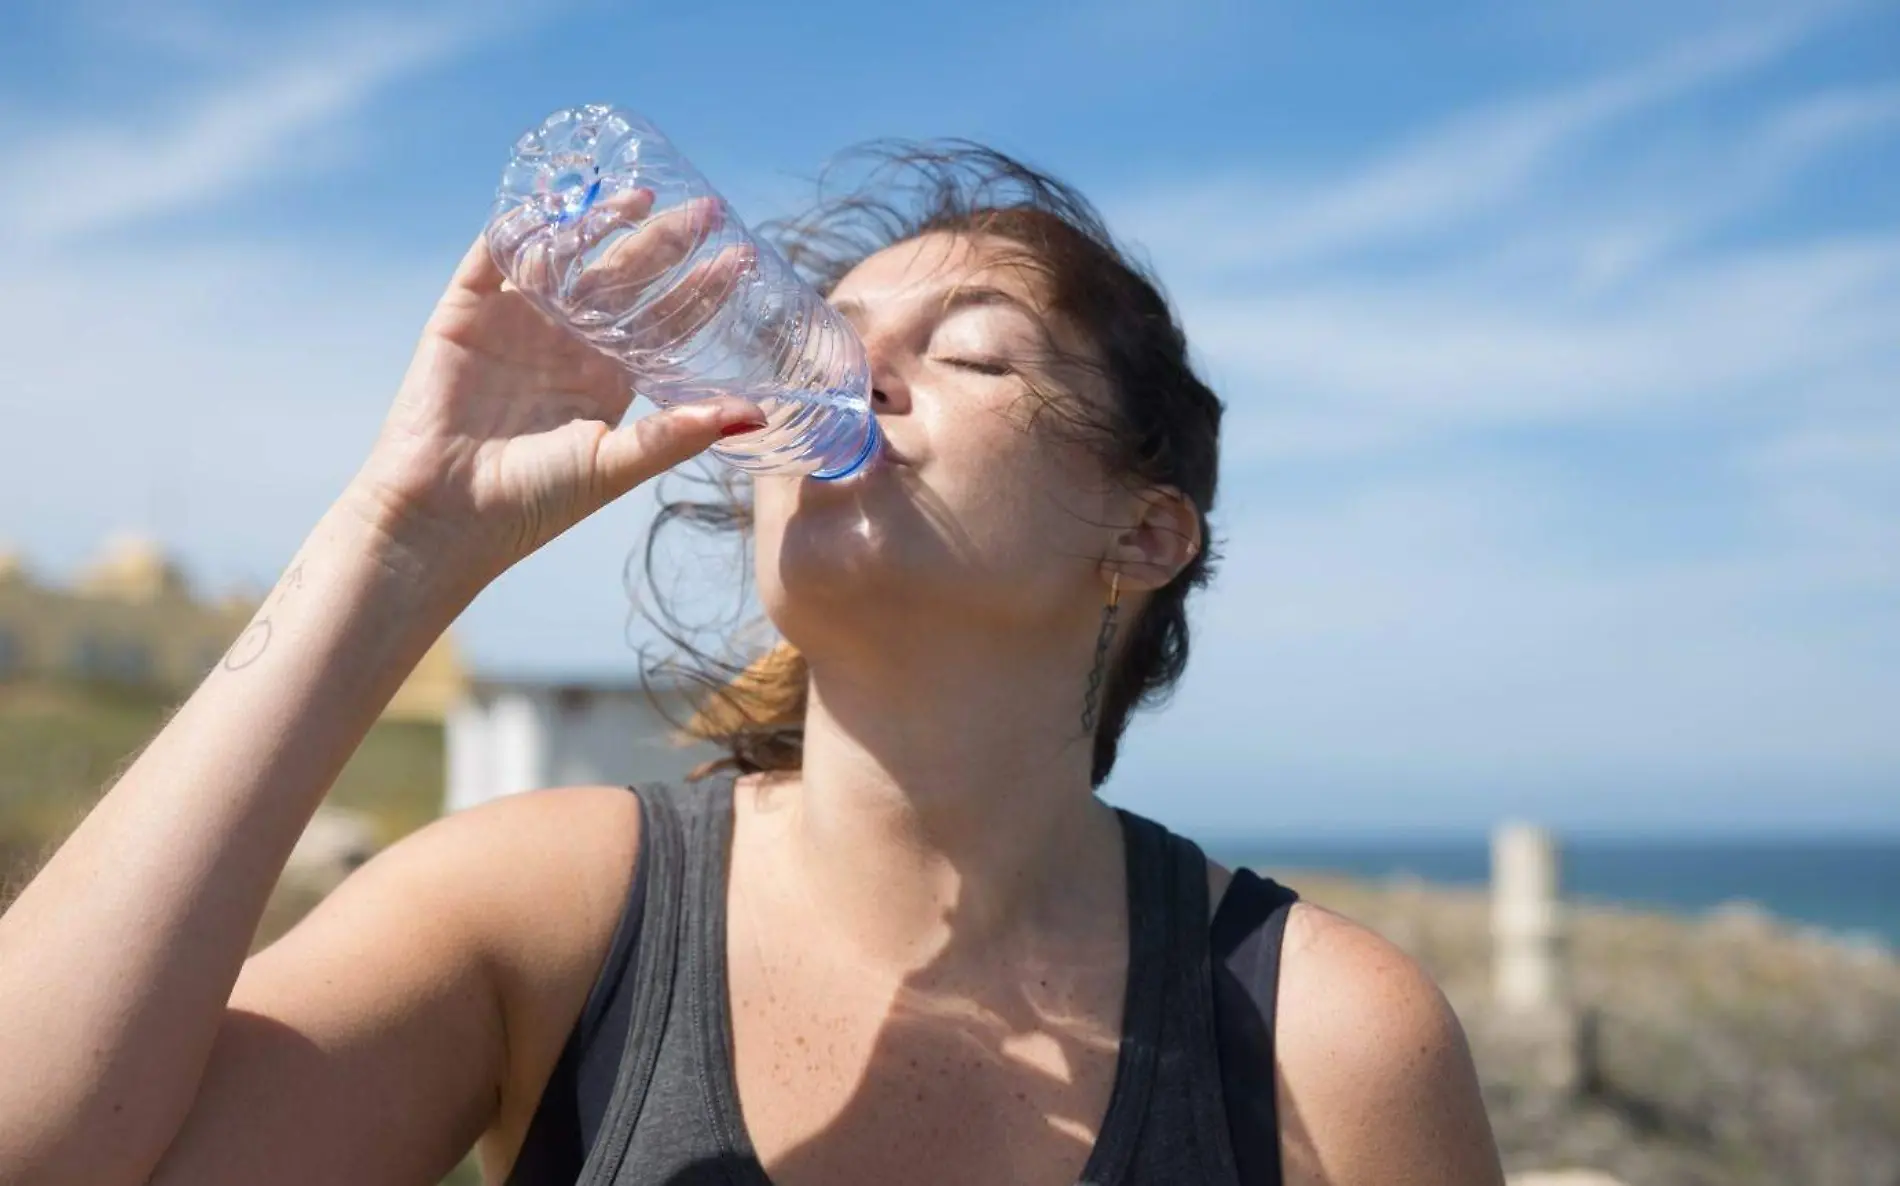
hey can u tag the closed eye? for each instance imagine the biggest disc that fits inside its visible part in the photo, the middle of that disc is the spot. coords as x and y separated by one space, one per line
982 366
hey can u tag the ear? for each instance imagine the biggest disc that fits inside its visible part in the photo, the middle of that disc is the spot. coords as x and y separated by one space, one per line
1163 539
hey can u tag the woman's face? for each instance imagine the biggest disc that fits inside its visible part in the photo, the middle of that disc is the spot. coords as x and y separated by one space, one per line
977 514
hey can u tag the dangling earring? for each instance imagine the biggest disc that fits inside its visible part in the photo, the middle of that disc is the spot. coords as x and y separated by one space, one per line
1091 700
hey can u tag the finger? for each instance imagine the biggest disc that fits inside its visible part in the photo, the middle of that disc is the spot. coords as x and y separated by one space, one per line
651 445
532 271
548 252
523 242
637 258
506 238
480 271
642 257
615 212
685 308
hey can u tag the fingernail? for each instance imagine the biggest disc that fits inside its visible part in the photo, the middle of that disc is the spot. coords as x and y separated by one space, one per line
741 428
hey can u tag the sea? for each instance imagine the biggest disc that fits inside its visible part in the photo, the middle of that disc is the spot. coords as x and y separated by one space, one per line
1847 887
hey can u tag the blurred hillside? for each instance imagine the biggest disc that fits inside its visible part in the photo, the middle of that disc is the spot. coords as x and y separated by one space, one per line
134 618
63 741
1728 1050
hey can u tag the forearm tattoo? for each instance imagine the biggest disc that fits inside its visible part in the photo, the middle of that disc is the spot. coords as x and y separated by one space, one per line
251 645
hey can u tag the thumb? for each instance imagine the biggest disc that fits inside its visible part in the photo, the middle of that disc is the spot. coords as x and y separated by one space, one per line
648 447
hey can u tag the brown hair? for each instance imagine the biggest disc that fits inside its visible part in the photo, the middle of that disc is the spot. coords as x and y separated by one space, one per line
1160 425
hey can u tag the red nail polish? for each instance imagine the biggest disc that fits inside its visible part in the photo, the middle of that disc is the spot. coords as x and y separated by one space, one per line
741 428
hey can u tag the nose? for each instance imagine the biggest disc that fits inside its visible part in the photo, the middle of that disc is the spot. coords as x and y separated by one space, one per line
890 389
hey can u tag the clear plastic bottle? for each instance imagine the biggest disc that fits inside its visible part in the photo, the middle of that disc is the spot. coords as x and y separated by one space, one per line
610 231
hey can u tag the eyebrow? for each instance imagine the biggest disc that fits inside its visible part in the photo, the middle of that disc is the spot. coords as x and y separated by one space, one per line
963 296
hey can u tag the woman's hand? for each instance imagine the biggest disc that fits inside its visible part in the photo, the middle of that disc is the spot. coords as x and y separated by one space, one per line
502 436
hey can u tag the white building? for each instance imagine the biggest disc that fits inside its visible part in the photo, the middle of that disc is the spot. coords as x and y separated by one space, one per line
508 735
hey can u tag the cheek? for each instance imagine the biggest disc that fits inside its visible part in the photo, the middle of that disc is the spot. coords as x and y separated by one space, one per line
998 516
1021 499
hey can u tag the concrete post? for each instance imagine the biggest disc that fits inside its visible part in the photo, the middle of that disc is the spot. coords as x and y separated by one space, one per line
1534 1010
1526 920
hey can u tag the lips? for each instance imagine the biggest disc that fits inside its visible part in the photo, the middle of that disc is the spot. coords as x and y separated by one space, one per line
889 455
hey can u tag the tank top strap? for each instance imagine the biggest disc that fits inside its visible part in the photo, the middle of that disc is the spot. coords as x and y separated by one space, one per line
1194 1038
1145 1002
1247 935
663 858
1216 1036
702 964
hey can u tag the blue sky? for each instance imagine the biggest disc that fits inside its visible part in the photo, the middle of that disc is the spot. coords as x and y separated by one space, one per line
1561 343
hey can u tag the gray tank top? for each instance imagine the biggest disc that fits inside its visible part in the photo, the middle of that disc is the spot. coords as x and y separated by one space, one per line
1192 1101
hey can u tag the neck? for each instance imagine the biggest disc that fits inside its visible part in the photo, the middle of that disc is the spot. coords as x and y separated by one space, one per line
960 801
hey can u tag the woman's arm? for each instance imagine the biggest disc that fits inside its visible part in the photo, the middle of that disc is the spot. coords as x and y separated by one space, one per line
117 961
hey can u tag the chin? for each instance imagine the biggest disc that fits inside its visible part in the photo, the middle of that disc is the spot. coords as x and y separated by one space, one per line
833 553
856 552
854 530
833 567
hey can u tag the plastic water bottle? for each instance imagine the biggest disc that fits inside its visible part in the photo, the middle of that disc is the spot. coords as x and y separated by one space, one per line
611 232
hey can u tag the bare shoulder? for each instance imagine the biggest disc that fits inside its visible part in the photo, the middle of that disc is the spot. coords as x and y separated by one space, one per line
512 847
439 980
528 888
541 880
547 874
1376 1083
525 871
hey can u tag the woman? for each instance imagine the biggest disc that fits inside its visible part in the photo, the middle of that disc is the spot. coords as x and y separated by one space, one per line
898 938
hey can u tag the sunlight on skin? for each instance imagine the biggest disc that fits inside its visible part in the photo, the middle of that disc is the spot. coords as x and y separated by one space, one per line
1075 1130
1018 1045
1043 1047
1043 1052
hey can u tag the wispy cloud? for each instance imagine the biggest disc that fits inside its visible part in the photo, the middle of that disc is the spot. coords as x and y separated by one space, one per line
1821 121
1445 352
1447 176
259 122
1560 454
1522 302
